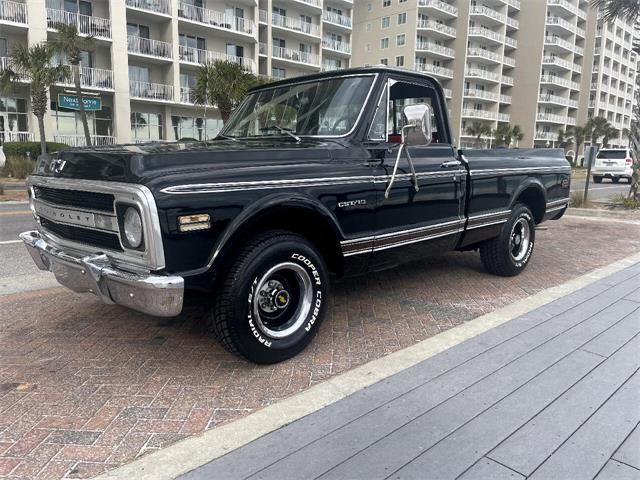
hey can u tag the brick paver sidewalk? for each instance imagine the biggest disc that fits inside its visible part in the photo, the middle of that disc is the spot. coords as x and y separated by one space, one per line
553 394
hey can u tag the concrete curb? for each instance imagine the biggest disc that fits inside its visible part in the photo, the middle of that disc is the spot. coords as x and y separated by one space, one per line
612 215
193 452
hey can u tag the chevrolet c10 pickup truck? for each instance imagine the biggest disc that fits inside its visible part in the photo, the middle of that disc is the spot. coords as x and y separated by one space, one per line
311 179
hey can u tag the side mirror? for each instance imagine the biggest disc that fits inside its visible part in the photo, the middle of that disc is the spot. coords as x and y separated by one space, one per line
417 128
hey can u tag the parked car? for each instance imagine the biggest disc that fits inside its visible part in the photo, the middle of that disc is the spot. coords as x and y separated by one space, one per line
312 178
613 163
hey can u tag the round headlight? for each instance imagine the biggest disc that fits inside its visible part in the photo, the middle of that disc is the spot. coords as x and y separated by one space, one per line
133 227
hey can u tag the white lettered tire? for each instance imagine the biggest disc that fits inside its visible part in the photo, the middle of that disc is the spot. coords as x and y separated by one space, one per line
272 299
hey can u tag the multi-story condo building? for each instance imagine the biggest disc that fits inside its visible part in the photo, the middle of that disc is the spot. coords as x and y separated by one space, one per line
525 63
148 52
613 74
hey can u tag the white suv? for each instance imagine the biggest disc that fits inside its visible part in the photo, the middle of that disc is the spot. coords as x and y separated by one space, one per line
613 163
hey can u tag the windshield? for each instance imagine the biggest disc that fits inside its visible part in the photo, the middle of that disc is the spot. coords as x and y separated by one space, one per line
612 154
325 107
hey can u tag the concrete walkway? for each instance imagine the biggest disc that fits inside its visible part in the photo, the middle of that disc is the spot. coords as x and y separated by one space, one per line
552 394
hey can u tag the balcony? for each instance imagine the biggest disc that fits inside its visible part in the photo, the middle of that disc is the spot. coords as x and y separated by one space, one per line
571 121
510 42
81 141
290 55
448 93
187 95
560 24
558 44
563 4
509 61
336 46
215 19
485 33
149 48
478 94
482 11
557 62
435 70
504 117
481 114
293 24
337 20
484 74
505 99
550 136
507 80
551 118
93 78
151 91
313 4
99 28
513 23
161 7
439 7
484 54
435 49
5 63
7 136
515 4
439 30
557 100
13 12
200 57
555 80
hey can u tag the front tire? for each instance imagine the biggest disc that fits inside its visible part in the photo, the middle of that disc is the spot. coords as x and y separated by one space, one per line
597 179
509 253
273 298
615 179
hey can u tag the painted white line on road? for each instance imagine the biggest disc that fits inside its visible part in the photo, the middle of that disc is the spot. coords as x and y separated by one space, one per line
10 242
193 452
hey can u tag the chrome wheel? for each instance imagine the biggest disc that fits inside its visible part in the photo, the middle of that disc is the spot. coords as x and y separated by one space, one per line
282 300
520 239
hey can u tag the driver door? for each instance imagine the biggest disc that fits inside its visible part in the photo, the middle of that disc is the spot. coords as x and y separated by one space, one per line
409 223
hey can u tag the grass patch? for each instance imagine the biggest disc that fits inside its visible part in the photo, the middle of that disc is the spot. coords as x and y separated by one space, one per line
17 167
628 203
577 200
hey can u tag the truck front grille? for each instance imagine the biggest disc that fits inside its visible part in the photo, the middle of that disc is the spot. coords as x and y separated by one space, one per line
101 202
95 238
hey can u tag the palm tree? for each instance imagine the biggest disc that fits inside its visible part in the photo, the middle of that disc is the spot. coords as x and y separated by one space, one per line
223 84
613 9
35 65
579 134
478 130
608 134
565 137
597 127
502 135
516 134
70 43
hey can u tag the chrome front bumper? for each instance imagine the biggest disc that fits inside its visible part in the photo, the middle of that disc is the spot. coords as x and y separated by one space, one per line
157 295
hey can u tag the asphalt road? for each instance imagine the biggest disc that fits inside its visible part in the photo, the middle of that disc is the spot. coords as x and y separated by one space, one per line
14 259
601 192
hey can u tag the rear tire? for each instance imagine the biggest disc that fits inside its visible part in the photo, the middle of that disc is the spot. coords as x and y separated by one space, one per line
272 299
509 253
597 179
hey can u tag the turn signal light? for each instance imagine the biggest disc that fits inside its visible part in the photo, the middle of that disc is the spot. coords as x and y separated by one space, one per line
628 161
191 223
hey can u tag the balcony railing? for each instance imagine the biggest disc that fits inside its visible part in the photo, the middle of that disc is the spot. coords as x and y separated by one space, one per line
86 25
509 61
483 114
504 117
156 6
428 46
295 24
513 23
484 53
13 12
147 46
553 60
487 12
551 136
215 19
195 55
485 32
476 72
548 98
555 80
561 22
336 19
481 94
5 63
448 93
514 3
7 136
551 40
151 91
93 78
331 44
507 80
81 141
439 5
187 95
439 27
551 118
505 98
564 4
291 55
434 70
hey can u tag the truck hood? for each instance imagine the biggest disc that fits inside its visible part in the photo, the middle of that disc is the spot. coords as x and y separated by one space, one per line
165 163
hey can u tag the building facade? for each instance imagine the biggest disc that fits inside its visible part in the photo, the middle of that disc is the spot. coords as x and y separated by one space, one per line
526 63
148 52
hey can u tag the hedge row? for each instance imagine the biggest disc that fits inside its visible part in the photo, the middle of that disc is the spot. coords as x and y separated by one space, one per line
20 149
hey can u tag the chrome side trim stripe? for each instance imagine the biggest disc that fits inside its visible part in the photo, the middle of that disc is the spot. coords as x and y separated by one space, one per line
520 170
555 209
487 224
408 176
562 201
488 219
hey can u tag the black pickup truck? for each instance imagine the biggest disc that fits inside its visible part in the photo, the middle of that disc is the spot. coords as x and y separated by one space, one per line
311 179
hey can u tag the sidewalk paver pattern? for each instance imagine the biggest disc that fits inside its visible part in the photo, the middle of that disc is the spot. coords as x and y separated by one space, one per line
553 394
85 387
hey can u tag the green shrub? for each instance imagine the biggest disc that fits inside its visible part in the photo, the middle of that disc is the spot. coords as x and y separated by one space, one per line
17 167
20 149
628 203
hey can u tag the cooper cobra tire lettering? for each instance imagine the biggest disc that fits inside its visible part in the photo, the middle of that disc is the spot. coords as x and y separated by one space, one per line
252 325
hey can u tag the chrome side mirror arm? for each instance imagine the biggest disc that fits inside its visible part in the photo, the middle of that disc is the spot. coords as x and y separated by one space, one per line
403 146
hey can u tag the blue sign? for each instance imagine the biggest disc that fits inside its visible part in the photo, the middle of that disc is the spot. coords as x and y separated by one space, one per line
71 102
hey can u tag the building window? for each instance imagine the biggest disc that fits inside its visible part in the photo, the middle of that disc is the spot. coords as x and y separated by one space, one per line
14 117
402 18
386 3
146 126
400 61
369 27
401 40
278 72
69 122
386 22
384 43
384 61
196 128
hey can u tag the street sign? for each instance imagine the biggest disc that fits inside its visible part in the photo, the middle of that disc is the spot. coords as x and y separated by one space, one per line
71 102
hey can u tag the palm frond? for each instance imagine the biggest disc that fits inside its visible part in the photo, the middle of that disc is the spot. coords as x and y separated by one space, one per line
623 9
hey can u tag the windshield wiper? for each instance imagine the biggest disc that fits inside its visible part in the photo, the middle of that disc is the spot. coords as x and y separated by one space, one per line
284 130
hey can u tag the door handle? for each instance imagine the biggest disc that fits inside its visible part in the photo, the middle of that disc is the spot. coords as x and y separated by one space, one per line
450 164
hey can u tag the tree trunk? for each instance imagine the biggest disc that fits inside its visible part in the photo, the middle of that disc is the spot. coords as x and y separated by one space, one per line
225 114
83 113
43 140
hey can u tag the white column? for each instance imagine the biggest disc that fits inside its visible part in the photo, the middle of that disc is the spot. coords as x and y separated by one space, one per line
120 66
